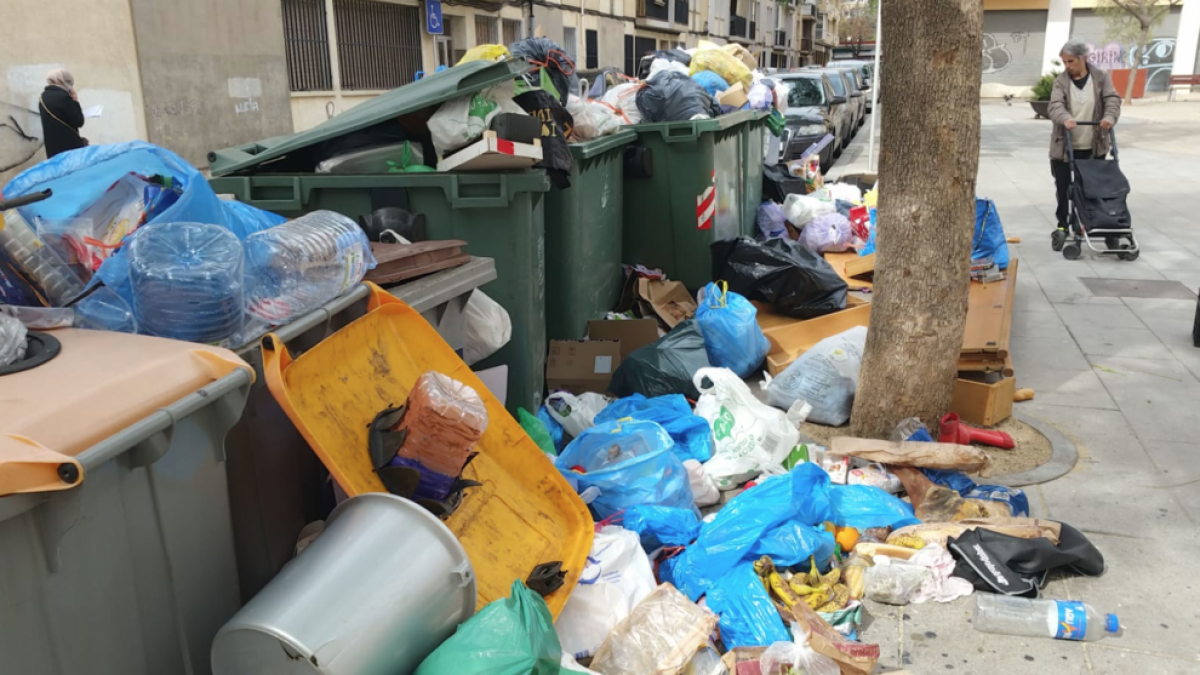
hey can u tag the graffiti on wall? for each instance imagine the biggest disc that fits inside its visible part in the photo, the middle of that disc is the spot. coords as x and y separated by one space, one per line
1156 59
996 56
20 135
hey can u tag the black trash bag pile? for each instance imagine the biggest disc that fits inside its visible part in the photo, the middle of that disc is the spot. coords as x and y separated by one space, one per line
556 126
794 280
672 97
777 184
546 54
998 563
677 55
664 366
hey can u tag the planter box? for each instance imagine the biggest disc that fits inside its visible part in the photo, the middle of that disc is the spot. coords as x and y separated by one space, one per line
1120 80
1040 108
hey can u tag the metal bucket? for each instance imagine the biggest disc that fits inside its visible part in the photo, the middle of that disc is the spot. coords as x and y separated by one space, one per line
374 594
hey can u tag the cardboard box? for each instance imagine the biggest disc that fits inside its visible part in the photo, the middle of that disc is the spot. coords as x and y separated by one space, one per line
734 96
668 300
982 403
633 334
582 365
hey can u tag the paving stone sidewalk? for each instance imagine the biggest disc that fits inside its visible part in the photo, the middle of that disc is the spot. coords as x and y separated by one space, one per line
1119 376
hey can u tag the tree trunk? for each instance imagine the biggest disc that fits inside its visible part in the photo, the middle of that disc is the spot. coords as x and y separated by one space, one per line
1137 62
927 169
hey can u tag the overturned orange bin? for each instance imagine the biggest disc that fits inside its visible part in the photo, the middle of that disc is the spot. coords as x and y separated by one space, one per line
524 513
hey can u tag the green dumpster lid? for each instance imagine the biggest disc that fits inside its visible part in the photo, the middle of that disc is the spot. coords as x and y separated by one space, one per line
462 80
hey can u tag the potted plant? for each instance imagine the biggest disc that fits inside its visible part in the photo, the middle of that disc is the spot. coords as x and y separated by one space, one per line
1041 94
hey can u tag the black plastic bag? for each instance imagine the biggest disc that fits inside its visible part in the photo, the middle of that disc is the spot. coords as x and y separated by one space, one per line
672 97
664 366
777 184
999 563
556 126
677 55
546 53
794 280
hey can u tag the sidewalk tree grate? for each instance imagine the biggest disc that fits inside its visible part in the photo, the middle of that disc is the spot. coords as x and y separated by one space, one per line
1138 288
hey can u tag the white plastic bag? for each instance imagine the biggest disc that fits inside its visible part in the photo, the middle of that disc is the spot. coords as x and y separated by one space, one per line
895 582
799 209
825 376
487 327
592 118
704 488
784 658
461 121
660 64
845 192
750 436
570 665
617 577
623 99
12 340
576 414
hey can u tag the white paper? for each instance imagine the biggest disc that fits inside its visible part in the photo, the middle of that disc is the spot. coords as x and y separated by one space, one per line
94 111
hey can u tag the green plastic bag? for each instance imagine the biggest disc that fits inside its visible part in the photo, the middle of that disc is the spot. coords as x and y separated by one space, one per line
537 431
513 636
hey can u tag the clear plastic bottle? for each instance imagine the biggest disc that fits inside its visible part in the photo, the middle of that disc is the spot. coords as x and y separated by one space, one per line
37 260
1061 619
300 265
188 282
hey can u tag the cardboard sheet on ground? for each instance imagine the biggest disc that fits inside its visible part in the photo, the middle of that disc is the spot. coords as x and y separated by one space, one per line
963 458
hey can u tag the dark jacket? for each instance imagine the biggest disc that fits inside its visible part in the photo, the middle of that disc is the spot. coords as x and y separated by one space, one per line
61 120
1108 107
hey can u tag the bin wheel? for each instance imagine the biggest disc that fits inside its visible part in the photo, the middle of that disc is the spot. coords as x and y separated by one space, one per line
1057 239
1130 255
1072 251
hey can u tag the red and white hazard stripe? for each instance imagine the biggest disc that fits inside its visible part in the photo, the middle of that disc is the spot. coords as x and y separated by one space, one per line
706 205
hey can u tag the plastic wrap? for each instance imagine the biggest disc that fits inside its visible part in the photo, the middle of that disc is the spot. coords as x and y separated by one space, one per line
303 264
828 233
444 419
732 337
825 376
593 119
672 97
623 100
12 340
800 209
795 281
660 635
576 414
692 434
894 582
51 276
750 436
627 463
39 318
392 158
785 658
188 282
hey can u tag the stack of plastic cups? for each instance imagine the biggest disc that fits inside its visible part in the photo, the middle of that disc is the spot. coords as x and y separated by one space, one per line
187 282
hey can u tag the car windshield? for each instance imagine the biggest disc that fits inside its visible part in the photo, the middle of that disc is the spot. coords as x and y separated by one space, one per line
839 85
804 91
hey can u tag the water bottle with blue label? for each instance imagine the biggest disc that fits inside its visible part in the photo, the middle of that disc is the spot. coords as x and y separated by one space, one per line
1060 619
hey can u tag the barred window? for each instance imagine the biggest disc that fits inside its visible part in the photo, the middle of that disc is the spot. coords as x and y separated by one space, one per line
486 30
306 44
379 43
512 31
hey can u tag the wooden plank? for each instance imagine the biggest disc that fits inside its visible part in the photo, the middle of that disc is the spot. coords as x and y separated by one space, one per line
989 316
861 266
983 404
398 262
838 262
789 338
977 363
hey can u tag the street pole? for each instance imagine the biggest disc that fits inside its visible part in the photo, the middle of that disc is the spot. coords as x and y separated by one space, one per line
875 85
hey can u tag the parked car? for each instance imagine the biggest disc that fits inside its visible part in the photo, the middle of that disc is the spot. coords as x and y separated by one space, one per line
811 97
842 88
859 92
866 70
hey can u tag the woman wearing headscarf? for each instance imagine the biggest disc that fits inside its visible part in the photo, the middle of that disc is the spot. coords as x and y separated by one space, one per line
62 117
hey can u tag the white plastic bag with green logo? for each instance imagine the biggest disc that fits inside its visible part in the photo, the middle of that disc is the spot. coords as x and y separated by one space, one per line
750 437
461 121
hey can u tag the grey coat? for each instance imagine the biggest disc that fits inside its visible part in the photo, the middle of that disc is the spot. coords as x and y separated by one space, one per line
1108 107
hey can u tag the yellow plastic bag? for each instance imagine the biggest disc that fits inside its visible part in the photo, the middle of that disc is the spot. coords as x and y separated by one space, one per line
484 53
741 53
722 63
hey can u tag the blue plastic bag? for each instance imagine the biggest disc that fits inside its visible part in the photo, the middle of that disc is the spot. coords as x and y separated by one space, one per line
732 337
79 177
661 526
712 82
989 241
691 433
748 616
792 543
629 463
864 506
801 496
555 429
965 487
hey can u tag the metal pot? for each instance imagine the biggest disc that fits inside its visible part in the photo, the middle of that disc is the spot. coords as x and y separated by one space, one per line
374 594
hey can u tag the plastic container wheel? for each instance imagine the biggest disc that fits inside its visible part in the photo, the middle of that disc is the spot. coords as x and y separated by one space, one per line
1072 251
1057 239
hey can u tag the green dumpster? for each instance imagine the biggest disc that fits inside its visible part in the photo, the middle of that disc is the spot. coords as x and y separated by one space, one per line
583 237
699 191
499 215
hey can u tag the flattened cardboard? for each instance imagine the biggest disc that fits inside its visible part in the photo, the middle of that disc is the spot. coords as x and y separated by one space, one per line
633 334
582 365
734 96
